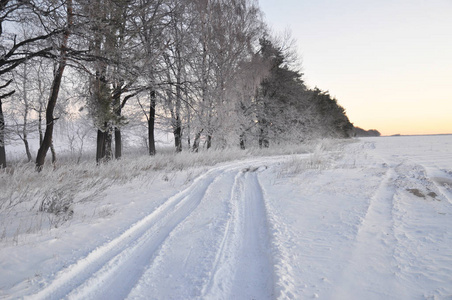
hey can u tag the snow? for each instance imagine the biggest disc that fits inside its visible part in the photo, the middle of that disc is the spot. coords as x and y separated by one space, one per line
365 219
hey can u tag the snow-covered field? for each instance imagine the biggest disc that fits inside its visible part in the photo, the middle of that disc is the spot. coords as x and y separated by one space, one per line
368 219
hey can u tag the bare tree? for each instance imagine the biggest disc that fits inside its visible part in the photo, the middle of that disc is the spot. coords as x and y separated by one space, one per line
176 59
2 124
47 141
151 23
16 50
114 46
21 79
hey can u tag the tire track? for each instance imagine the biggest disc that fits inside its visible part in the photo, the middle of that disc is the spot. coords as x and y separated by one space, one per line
114 268
373 252
243 268
226 257
423 249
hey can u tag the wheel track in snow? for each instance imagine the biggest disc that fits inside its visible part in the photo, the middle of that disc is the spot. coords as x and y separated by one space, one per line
122 260
389 232
422 248
374 248
243 268
415 244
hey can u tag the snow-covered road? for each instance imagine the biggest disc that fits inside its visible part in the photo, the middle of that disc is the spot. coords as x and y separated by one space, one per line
371 219
216 226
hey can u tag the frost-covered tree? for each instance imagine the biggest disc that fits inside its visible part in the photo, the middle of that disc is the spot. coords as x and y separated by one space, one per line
176 60
32 80
248 80
331 118
112 71
226 37
15 49
150 22
279 96
65 21
287 110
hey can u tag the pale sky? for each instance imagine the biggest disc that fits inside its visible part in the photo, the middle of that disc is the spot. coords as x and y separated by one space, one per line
388 62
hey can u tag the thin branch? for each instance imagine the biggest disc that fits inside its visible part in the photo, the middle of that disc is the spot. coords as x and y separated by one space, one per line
7 95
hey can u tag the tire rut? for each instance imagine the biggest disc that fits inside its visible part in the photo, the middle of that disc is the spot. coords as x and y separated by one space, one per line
373 252
243 268
116 266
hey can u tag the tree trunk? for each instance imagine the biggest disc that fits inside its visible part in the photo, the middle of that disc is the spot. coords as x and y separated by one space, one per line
103 101
104 151
263 134
209 141
188 137
196 141
177 124
50 121
2 138
108 149
177 129
242 141
151 124
2 124
263 139
52 150
47 141
177 134
188 119
117 110
100 147
41 135
118 143
25 134
27 149
27 108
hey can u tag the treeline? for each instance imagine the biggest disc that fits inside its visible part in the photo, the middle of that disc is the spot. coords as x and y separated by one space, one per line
359 132
207 70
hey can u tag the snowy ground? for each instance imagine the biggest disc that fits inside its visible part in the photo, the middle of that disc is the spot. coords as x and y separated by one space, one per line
370 219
